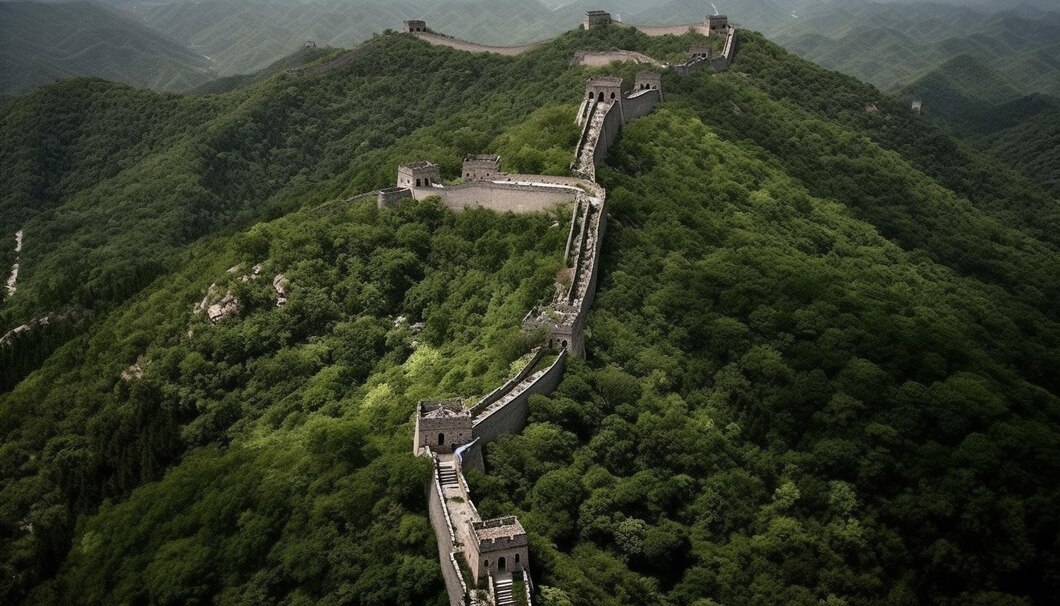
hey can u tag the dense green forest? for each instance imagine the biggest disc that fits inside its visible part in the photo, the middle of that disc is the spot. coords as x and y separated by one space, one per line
822 364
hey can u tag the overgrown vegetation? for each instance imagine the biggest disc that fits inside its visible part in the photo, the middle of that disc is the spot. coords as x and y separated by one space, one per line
823 360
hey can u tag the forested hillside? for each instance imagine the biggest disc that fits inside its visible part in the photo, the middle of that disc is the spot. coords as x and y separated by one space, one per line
823 363
42 42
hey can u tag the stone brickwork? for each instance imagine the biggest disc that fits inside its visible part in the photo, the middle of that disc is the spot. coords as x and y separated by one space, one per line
390 196
441 426
419 174
482 167
648 80
498 545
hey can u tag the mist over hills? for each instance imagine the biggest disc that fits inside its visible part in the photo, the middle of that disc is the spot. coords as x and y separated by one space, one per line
44 42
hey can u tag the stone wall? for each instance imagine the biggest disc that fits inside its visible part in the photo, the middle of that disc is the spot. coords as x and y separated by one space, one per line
671 30
499 197
454 584
641 103
511 418
608 134
503 390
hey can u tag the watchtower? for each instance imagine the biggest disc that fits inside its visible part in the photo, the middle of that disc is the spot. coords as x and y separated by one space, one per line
441 426
604 88
419 174
918 106
699 53
497 547
310 44
414 26
596 19
481 168
716 24
648 81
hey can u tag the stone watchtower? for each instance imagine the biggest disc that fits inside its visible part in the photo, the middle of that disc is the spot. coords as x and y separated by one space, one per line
497 547
481 168
716 24
441 426
419 174
604 88
414 26
648 81
596 19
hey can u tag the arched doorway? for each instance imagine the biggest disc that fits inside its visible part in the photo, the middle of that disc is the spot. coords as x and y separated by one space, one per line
601 97
502 564
441 439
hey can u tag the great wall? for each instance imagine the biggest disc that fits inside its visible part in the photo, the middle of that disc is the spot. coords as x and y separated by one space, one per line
486 562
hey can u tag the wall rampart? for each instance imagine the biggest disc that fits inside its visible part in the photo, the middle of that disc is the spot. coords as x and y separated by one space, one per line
608 133
511 418
498 196
641 103
671 30
443 532
510 384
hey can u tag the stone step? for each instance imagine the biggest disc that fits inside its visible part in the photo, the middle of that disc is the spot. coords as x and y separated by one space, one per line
502 590
447 475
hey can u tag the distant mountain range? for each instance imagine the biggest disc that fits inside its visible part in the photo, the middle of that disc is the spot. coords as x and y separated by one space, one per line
179 44
44 42
892 48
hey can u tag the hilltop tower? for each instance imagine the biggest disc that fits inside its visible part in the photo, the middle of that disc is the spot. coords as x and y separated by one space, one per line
716 24
481 168
413 26
596 19
419 174
441 426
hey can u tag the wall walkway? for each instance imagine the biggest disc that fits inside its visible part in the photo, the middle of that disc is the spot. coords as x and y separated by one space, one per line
505 410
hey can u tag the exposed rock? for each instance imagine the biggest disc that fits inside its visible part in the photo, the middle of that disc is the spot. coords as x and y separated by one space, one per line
9 285
279 284
227 306
136 371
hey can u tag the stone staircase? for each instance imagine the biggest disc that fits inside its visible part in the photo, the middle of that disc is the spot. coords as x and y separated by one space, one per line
447 474
502 591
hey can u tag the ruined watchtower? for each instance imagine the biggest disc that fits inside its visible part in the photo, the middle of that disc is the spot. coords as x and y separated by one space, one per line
596 19
419 174
699 53
716 24
413 26
497 547
441 426
481 168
